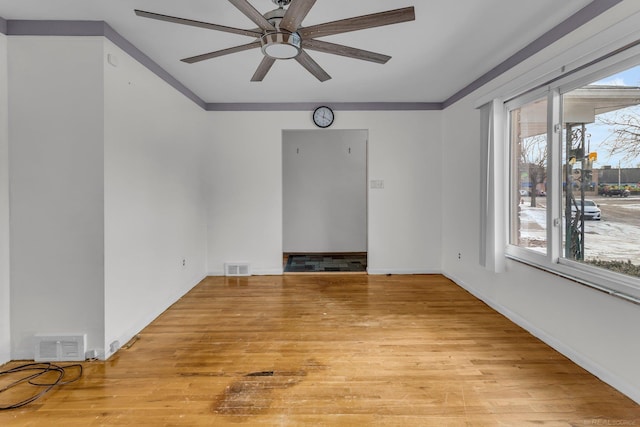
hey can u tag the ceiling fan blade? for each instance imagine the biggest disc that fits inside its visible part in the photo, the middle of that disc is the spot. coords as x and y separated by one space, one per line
263 69
295 14
250 12
349 52
379 19
312 66
193 23
222 52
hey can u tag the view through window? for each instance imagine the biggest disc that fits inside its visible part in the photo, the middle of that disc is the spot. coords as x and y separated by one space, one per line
601 173
528 134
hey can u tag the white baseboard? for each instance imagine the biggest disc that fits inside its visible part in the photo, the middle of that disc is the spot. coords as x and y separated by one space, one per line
382 271
268 272
630 390
280 272
23 355
262 272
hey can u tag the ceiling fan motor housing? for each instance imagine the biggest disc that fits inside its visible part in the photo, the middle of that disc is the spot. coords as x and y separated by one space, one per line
281 3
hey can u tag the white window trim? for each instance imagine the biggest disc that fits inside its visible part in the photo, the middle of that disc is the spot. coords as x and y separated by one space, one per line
609 282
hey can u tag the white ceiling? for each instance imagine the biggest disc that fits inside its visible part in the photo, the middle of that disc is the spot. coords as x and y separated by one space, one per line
449 45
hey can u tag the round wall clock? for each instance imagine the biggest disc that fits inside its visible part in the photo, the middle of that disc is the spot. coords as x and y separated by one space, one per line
323 116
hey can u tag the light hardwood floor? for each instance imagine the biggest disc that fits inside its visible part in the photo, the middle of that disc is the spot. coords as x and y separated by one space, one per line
348 350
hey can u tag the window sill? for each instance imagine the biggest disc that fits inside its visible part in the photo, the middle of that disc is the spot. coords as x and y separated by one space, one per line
608 282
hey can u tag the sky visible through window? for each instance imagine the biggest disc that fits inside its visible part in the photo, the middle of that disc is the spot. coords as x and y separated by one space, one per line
601 133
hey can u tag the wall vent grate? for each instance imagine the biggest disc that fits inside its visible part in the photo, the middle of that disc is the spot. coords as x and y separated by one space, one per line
60 348
237 269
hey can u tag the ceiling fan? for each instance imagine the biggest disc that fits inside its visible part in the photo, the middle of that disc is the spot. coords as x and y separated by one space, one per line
281 36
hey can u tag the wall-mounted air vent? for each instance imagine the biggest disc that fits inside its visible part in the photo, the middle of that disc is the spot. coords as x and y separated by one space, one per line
60 348
237 269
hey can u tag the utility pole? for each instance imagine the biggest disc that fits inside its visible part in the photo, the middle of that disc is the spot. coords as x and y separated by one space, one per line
619 175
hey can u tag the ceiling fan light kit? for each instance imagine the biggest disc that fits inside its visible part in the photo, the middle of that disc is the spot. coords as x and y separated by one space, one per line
281 36
281 45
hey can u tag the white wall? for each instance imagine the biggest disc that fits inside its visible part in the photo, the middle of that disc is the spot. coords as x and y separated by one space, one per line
5 318
154 198
595 330
56 157
324 190
107 193
245 188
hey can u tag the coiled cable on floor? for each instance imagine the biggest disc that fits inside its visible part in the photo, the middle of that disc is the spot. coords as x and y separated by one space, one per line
35 373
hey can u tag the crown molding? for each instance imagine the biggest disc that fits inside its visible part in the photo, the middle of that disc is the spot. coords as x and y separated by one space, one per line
26 27
338 106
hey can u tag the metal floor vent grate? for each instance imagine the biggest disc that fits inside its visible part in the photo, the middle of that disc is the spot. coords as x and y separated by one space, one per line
237 269
60 348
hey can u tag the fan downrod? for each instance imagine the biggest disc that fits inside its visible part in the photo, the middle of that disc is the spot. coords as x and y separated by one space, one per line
281 3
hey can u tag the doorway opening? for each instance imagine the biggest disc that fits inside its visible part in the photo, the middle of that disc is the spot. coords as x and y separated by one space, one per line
324 201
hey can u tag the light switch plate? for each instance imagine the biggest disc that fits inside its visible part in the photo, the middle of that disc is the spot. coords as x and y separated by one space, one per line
376 184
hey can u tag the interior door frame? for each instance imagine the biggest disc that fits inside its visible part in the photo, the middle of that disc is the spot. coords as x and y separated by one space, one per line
365 181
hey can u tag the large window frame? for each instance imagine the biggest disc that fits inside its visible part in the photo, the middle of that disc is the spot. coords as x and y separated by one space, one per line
620 285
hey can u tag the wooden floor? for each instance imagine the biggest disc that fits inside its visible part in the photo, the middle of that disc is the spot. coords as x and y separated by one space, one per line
350 350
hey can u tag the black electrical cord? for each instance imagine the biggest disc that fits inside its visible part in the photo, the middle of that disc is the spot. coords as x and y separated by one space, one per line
34 372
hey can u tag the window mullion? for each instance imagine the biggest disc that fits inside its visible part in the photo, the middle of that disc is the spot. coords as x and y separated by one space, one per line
554 176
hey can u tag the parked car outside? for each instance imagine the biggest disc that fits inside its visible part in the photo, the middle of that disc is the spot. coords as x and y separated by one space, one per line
614 190
591 210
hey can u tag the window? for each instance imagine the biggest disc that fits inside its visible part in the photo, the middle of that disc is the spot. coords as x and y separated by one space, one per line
528 134
601 165
574 187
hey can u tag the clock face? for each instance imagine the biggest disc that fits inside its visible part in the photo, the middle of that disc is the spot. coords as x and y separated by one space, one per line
323 117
